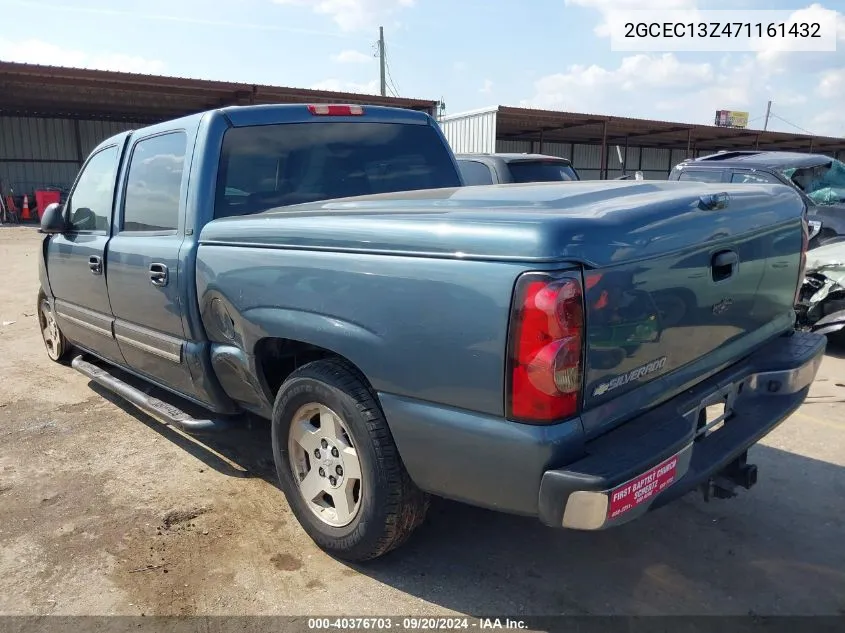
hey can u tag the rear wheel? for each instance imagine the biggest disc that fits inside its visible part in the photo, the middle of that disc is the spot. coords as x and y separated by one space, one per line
54 341
338 465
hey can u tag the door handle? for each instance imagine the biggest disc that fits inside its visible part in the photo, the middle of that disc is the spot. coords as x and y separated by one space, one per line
95 263
723 265
158 274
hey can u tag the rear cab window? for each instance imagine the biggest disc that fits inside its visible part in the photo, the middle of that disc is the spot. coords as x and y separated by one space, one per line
541 171
267 166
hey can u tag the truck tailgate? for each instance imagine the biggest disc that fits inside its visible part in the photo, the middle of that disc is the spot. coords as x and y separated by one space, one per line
723 284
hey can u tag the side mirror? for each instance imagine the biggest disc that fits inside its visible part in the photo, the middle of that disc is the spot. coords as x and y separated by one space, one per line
53 219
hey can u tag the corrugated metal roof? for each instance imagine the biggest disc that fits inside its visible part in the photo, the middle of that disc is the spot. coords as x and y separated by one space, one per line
56 91
530 124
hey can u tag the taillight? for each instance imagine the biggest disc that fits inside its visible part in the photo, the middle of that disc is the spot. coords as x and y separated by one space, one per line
802 266
335 110
545 349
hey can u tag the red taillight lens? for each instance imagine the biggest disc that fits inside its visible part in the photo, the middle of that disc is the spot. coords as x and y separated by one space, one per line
336 110
802 266
546 339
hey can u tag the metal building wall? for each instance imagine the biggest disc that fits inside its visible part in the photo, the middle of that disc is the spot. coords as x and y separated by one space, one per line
508 146
39 153
471 133
476 132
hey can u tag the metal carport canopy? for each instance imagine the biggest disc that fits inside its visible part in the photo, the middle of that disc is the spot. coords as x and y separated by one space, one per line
53 91
530 124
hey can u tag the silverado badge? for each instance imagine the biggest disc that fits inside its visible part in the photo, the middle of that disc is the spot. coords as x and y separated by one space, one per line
634 374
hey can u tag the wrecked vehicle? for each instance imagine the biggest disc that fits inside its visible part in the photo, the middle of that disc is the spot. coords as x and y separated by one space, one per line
821 302
818 179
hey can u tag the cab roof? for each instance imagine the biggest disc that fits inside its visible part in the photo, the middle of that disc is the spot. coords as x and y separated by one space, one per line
760 159
512 157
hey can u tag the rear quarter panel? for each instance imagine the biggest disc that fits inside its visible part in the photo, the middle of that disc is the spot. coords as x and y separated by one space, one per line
424 328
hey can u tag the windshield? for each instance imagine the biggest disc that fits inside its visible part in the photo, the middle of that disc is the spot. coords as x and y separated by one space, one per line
267 166
542 171
824 184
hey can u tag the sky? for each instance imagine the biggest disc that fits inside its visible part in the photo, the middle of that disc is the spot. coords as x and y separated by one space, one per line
553 54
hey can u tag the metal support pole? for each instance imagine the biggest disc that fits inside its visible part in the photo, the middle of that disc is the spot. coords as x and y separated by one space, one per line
625 158
757 142
80 157
811 146
540 148
768 112
689 141
603 166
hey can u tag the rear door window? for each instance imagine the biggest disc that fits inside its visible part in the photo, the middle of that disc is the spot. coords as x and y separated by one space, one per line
701 175
754 177
154 183
475 173
267 166
541 171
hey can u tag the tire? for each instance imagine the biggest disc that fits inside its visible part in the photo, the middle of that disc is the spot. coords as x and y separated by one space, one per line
371 517
54 341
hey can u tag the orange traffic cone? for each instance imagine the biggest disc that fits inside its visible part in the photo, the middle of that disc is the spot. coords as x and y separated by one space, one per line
25 215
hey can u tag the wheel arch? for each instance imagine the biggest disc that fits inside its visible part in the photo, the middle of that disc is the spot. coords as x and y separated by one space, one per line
276 358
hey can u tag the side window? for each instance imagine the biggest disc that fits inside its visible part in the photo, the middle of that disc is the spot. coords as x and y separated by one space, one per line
754 178
90 205
709 175
154 183
475 173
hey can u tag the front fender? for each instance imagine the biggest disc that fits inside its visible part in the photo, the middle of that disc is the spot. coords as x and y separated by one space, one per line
43 277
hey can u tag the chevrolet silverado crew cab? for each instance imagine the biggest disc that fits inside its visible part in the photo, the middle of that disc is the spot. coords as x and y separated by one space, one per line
556 350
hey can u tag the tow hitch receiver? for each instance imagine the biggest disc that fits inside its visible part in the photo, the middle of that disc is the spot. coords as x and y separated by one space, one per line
739 473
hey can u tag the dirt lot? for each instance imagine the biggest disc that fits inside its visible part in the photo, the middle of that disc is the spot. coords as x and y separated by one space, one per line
104 511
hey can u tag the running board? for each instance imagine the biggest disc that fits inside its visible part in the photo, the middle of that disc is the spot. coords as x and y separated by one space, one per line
161 411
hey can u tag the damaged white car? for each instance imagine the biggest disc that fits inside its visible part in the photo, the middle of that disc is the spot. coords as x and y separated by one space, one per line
821 302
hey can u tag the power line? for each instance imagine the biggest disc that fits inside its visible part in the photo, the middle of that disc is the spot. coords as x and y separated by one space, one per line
389 76
392 83
797 127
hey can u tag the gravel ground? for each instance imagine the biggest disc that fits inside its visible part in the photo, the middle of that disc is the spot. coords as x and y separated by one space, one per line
104 511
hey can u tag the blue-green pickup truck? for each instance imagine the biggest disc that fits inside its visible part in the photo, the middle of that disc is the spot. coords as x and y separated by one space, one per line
553 350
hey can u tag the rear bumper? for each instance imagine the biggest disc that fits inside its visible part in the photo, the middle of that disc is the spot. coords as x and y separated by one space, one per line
663 454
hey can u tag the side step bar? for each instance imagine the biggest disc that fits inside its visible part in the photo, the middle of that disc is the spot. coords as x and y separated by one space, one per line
161 411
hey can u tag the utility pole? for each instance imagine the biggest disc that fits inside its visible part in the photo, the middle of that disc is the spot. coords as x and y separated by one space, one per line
768 112
381 60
